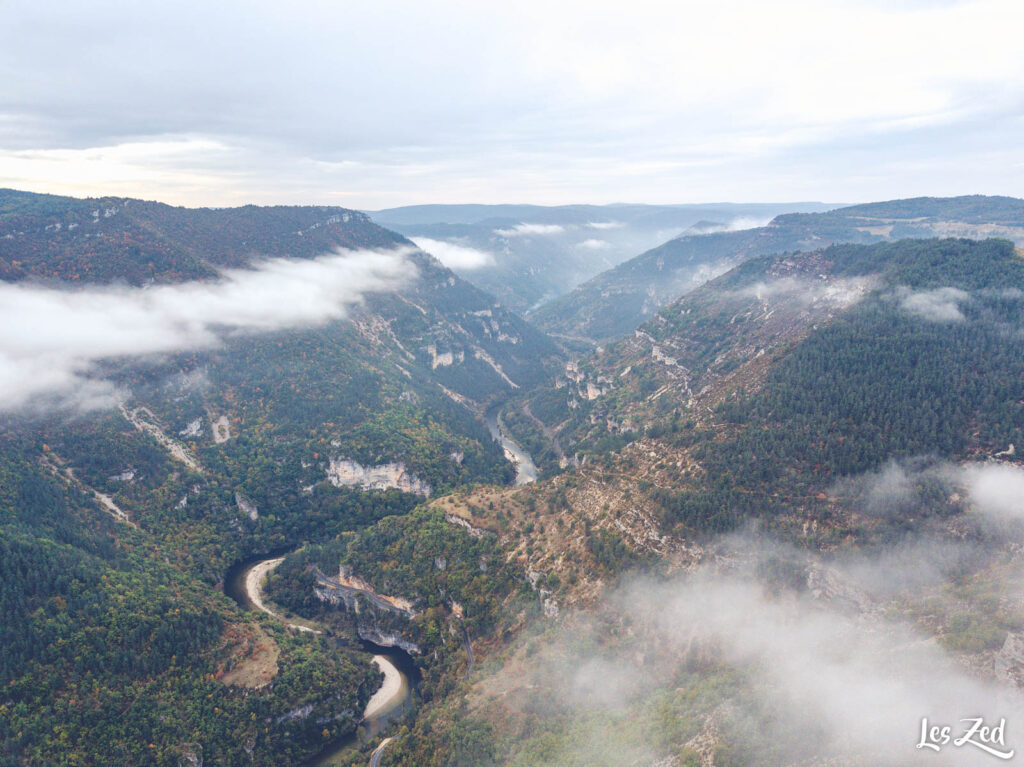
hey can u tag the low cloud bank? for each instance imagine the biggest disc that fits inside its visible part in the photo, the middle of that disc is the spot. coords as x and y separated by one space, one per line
735 225
996 489
991 489
768 654
52 339
835 684
453 255
773 653
938 305
524 230
839 293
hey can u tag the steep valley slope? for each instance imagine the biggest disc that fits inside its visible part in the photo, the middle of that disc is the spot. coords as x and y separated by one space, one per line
120 513
777 524
702 584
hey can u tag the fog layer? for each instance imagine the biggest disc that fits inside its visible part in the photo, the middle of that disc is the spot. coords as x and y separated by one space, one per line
53 338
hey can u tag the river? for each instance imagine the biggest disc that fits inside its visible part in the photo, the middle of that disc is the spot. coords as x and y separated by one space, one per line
526 472
243 582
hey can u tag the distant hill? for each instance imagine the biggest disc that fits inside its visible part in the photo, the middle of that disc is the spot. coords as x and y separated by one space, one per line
614 302
104 240
528 254
110 239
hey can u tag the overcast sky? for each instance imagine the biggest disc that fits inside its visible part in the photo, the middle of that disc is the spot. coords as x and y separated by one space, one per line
378 103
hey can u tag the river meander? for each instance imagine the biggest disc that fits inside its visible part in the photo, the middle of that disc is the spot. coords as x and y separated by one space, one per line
393 700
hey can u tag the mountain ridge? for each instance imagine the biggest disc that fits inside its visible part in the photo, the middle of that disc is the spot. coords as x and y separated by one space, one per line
615 302
527 255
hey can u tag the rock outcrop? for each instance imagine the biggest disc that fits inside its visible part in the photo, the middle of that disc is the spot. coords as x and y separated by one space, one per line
345 473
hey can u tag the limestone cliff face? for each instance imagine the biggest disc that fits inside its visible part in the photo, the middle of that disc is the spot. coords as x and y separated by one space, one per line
386 638
347 588
377 616
246 506
345 473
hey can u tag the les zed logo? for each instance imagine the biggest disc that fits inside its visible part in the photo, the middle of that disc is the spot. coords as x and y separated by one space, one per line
976 733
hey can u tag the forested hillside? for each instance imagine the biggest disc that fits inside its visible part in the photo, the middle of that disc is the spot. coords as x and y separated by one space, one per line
115 239
119 523
908 317
809 445
612 304
116 649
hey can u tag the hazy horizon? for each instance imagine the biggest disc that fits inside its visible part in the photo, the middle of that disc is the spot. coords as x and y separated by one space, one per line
395 103
465 203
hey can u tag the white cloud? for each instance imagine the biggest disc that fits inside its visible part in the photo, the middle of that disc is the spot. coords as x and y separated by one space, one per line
996 489
860 685
839 293
737 224
993 489
453 255
889 488
747 222
605 224
525 230
593 244
51 339
176 166
939 305
827 674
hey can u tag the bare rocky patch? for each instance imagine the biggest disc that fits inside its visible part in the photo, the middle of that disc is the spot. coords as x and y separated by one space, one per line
251 657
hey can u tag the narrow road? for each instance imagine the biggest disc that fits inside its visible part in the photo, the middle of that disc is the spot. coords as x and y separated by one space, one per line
172 446
379 752
53 463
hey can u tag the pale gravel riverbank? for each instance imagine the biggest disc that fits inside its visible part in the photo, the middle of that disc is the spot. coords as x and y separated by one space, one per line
254 590
391 693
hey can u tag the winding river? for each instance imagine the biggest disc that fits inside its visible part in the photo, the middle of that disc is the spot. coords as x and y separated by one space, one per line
244 584
526 471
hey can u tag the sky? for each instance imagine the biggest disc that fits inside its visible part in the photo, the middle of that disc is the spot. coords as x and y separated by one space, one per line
372 104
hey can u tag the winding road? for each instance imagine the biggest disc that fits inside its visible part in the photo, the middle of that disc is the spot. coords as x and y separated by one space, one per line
379 752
